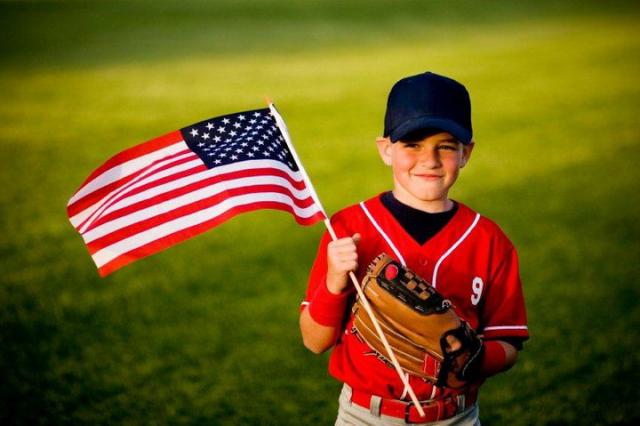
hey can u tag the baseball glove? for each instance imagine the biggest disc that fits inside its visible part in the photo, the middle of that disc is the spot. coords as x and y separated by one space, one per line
427 337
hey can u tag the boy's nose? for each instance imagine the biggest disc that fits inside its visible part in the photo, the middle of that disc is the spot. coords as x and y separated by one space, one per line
429 158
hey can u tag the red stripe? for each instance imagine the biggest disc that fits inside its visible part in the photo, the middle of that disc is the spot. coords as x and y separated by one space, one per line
131 189
95 196
157 199
151 222
135 152
186 233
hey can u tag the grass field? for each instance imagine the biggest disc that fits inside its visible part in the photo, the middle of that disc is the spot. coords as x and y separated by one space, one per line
206 332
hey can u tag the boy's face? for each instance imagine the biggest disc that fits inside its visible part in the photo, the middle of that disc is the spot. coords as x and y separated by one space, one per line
424 170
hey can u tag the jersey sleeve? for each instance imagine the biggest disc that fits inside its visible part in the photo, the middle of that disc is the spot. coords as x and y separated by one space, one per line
318 273
504 314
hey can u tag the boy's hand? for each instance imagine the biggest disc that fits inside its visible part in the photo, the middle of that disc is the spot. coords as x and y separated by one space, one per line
342 258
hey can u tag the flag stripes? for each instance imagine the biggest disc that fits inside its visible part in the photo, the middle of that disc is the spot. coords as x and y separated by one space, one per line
129 162
191 202
157 194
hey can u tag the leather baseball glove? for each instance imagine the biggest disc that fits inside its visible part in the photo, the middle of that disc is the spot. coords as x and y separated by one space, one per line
427 337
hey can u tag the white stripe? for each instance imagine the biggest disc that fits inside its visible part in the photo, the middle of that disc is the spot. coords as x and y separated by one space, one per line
107 254
452 248
185 199
125 169
149 175
507 327
201 193
196 177
144 180
305 303
385 236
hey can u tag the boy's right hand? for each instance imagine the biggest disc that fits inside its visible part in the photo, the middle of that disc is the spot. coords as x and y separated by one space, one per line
342 258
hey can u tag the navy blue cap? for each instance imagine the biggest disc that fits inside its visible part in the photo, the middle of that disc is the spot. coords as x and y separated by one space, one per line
428 101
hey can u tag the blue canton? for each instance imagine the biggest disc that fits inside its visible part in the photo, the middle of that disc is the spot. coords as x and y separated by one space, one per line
250 135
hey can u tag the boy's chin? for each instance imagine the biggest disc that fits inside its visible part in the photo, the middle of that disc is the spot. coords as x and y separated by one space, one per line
421 200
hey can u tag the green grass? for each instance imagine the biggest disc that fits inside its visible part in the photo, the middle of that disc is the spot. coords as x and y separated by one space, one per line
206 332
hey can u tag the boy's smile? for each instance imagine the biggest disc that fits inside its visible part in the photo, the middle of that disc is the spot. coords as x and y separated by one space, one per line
424 170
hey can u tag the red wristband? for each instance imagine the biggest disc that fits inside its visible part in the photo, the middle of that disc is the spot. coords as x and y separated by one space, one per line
494 360
327 308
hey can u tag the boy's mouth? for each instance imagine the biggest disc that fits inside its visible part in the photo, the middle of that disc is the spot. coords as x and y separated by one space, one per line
427 176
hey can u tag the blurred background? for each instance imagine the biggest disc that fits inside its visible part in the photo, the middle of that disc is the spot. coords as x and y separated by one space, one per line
206 332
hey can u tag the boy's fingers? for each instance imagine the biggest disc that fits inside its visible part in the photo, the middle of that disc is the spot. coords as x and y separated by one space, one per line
343 244
356 238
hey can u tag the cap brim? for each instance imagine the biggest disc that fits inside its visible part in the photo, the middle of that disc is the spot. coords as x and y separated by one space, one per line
450 126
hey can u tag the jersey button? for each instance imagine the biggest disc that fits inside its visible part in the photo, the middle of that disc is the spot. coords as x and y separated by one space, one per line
423 261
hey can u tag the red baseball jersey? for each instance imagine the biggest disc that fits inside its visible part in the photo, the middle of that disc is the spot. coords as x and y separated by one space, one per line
470 261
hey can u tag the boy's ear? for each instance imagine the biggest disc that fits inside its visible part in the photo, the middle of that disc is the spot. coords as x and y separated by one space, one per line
384 149
466 153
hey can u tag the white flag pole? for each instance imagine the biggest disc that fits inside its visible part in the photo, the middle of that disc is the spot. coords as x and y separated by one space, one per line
365 303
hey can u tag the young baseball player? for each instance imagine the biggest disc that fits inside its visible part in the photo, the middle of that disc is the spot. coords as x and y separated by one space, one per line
463 255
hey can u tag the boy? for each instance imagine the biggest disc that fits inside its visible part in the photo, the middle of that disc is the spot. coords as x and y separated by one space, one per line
466 257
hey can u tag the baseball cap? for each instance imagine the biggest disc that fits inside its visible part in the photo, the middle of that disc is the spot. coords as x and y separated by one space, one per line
428 100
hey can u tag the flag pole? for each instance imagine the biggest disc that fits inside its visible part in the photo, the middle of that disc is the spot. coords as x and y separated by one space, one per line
365 303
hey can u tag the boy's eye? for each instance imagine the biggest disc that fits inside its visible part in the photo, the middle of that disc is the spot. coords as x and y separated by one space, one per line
448 147
410 145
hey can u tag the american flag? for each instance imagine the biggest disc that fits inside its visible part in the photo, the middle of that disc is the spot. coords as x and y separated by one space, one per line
164 191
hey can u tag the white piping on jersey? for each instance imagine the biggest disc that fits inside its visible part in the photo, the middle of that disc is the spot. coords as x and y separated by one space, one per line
434 389
385 236
397 252
305 303
452 248
507 327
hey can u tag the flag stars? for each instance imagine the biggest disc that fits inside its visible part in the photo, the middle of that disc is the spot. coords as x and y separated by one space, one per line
239 137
